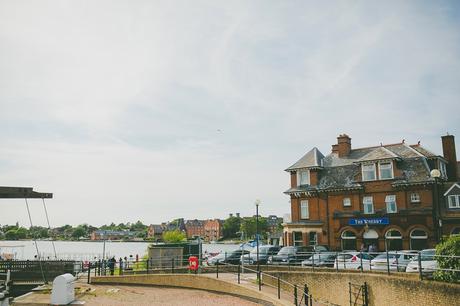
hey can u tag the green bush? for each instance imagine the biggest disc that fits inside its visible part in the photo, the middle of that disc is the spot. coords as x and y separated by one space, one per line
173 236
449 247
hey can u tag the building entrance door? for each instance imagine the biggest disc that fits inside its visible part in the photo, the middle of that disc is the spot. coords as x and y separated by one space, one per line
371 240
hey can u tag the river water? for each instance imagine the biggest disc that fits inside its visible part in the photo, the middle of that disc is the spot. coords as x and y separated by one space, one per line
87 250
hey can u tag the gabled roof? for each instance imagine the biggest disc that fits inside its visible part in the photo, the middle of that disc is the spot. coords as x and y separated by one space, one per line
378 154
423 151
312 159
451 187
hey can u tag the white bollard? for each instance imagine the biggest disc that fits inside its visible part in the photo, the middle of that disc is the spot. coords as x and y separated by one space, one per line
63 290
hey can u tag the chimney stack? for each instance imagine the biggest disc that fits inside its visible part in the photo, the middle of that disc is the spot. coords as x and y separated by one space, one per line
343 146
448 151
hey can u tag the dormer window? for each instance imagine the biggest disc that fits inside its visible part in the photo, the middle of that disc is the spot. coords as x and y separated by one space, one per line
303 177
386 170
442 169
369 172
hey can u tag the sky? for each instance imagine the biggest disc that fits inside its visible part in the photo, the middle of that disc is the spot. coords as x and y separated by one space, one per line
155 110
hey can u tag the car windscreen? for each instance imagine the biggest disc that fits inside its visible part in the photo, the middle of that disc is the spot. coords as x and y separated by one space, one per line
286 251
261 250
428 255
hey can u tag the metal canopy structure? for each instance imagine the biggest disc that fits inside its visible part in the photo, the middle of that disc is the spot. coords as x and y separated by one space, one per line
22 193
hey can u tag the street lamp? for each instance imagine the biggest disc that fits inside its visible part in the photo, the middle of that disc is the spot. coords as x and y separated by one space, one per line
436 174
257 231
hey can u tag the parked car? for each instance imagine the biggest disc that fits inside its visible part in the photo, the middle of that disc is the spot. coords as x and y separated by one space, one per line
290 255
264 252
397 261
320 260
353 261
227 257
428 262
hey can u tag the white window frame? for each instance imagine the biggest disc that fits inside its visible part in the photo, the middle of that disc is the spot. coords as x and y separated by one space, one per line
299 177
297 242
368 201
454 201
443 169
391 170
415 197
346 202
304 210
389 200
368 165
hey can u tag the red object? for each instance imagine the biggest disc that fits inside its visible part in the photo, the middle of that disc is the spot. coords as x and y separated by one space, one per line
193 263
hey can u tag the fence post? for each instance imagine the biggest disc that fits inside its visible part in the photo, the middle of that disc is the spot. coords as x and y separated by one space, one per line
147 266
172 265
311 300
217 269
279 288
239 271
313 261
388 263
361 260
337 259
420 265
305 294
349 292
259 278
295 295
366 300
89 272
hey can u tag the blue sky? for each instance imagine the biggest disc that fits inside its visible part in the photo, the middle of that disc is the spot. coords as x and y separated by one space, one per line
154 110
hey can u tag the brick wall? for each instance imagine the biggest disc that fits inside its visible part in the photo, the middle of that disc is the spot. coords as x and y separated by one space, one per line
383 289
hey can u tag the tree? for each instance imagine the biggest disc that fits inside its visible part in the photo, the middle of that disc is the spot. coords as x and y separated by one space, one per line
231 227
173 236
248 226
79 232
448 252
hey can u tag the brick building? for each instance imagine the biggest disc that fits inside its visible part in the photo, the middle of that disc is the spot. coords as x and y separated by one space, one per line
213 230
383 195
194 228
155 232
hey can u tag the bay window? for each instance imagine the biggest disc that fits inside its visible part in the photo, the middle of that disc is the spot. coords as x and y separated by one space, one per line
368 205
304 209
390 201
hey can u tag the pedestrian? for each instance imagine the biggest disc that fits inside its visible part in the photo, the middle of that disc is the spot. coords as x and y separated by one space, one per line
111 264
363 248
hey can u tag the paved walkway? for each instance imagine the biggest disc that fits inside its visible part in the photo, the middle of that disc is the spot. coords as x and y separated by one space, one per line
250 280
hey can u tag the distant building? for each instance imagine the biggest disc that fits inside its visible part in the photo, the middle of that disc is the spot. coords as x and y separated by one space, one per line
155 232
177 224
273 223
213 229
112 235
194 228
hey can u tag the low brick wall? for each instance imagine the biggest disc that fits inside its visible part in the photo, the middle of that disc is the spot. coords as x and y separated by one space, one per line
192 282
383 289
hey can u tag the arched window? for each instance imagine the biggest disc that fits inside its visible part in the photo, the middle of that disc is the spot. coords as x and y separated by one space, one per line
418 239
393 240
455 231
371 238
348 240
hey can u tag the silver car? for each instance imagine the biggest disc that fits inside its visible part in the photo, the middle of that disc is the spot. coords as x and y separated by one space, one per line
427 261
396 261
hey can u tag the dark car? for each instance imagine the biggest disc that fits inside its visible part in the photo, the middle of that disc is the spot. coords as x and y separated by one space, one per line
232 257
291 255
264 252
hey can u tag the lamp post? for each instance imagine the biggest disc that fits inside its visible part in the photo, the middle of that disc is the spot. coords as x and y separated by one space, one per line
436 174
257 232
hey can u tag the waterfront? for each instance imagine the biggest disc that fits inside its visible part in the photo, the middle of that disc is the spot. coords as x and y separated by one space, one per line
85 250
